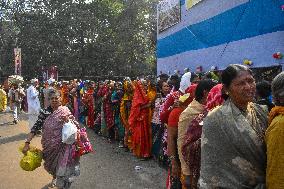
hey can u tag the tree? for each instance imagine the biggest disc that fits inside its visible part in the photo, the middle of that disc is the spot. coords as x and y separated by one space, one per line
82 39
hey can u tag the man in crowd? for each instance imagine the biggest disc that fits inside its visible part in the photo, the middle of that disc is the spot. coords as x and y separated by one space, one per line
16 94
33 102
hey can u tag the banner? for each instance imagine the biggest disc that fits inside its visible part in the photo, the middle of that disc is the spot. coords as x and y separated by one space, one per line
18 61
191 3
44 73
168 14
53 73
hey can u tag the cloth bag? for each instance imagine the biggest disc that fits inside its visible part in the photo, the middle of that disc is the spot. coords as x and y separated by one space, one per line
82 145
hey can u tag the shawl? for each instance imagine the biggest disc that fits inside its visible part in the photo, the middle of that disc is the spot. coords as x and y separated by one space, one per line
232 147
274 138
214 97
185 82
57 155
274 112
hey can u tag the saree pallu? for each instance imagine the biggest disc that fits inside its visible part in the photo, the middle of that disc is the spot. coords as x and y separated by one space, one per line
125 106
233 153
103 128
57 156
191 148
90 104
139 123
157 132
76 108
107 106
64 94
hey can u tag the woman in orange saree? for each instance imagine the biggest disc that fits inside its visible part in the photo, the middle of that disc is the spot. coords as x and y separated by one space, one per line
65 93
139 121
88 97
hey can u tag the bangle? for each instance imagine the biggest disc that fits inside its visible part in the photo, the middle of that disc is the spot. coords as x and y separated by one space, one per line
27 142
172 158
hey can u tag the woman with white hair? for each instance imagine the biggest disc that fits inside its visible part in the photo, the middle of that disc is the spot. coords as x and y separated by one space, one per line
46 91
33 102
274 136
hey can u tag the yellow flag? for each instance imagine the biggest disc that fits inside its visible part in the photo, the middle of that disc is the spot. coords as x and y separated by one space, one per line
191 3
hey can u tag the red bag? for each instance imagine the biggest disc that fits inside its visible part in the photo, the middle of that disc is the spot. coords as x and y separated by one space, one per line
82 145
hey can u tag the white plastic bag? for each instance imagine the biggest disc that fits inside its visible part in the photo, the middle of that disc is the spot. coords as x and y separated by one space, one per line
8 109
69 133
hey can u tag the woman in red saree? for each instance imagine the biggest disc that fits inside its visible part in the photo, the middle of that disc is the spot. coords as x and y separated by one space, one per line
107 116
139 121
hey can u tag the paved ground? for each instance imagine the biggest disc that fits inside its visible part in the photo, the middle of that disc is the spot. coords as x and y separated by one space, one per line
108 168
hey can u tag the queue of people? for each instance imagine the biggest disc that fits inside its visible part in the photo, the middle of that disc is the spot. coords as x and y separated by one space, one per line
208 132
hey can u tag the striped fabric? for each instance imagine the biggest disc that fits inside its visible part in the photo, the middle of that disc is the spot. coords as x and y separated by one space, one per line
222 32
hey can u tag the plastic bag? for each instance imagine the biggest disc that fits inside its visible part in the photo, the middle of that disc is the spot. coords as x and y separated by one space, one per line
32 160
69 133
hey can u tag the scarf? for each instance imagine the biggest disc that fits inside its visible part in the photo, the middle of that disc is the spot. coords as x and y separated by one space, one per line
274 112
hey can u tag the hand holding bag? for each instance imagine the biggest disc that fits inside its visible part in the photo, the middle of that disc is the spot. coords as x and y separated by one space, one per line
82 145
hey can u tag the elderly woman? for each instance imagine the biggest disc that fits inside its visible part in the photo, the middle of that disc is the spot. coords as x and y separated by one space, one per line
57 156
232 143
274 136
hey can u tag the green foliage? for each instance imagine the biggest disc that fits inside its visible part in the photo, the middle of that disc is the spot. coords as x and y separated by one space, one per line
83 38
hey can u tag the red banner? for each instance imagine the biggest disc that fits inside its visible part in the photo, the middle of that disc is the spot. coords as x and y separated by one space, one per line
53 73
48 73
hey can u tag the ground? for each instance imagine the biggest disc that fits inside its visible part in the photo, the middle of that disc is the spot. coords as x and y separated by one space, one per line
108 168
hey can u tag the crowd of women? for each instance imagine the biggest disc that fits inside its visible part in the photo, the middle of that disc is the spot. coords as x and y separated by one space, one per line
207 133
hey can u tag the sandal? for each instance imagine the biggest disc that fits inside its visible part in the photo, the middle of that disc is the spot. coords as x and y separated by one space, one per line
53 183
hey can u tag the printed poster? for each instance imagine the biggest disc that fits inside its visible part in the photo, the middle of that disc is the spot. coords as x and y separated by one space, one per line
168 14
191 3
18 61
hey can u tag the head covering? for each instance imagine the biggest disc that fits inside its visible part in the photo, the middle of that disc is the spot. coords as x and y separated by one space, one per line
277 84
51 81
214 97
34 80
185 82
213 68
